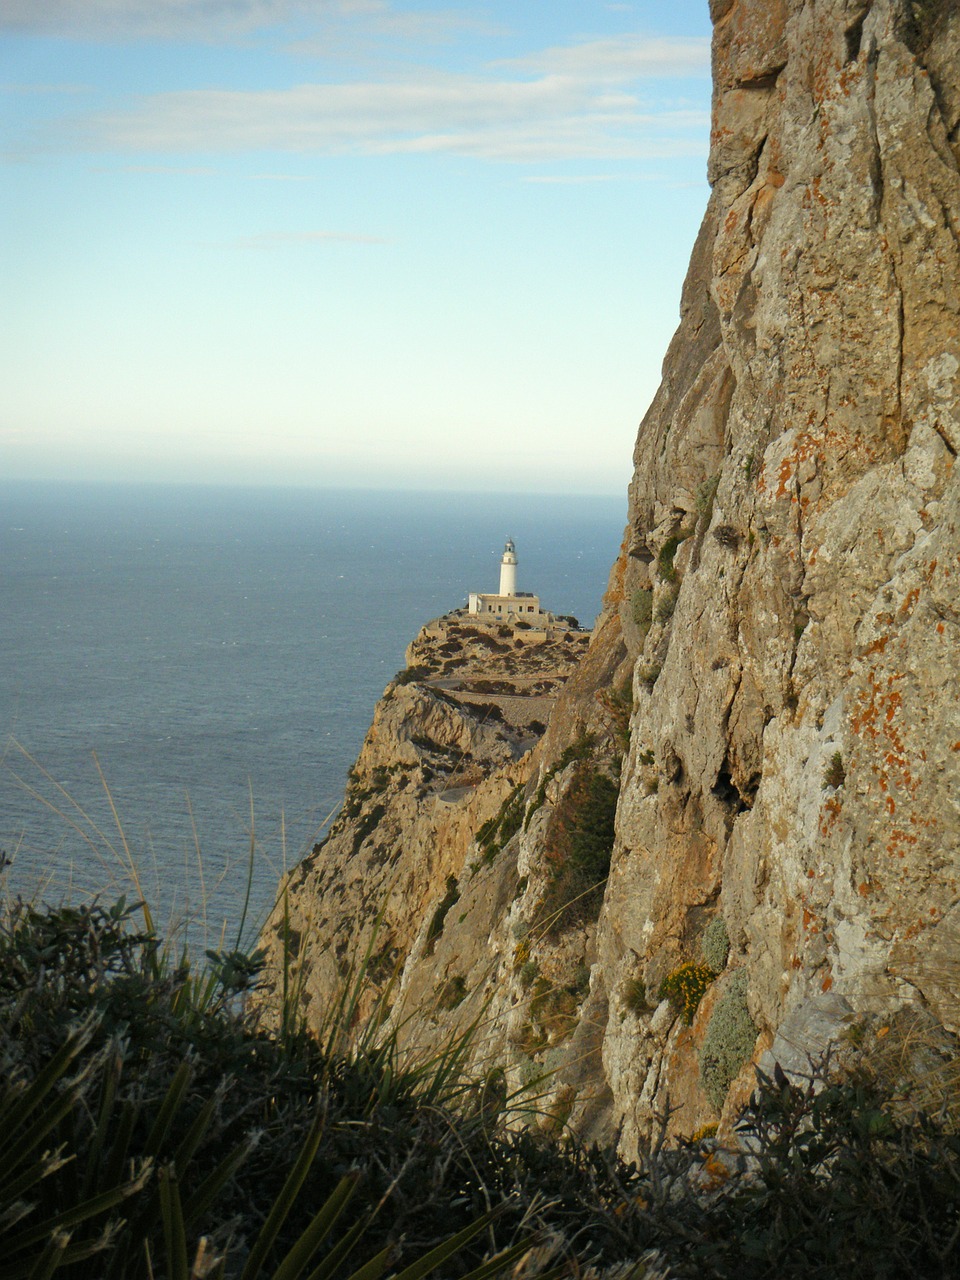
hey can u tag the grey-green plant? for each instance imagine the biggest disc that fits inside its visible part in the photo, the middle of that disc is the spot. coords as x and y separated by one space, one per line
580 980
641 607
729 1040
715 945
666 604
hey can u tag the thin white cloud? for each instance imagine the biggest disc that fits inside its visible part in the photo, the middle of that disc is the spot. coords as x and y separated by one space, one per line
271 239
547 116
625 57
215 19
145 19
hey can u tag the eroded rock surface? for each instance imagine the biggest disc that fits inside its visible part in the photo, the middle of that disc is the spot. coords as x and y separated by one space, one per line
784 612
804 717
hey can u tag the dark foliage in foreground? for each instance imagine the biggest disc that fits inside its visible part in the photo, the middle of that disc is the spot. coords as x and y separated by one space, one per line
143 1109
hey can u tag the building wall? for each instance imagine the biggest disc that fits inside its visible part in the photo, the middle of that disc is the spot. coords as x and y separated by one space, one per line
525 606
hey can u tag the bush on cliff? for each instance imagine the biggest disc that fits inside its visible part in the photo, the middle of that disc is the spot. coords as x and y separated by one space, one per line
578 848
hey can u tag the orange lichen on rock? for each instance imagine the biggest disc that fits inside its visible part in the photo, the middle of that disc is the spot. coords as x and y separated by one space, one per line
830 814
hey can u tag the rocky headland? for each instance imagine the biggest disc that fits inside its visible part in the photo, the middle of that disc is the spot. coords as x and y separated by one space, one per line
734 834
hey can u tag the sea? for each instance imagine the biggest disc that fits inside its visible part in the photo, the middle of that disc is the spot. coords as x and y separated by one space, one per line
187 672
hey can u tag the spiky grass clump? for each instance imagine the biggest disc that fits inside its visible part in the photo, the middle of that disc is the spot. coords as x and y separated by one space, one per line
146 1121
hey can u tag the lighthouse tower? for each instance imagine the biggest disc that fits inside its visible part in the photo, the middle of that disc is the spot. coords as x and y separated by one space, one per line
509 603
508 570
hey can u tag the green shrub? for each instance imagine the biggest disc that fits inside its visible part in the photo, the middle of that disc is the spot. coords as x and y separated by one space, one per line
635 996
666 570
728 1042
580 982
147 1114
554 1010
367 824
684 988
578 847
666 604
715 945
380 778
649 674
578 750
435 928
146 1120
641 607
838 1188
835 774
494 834
726 536
618 703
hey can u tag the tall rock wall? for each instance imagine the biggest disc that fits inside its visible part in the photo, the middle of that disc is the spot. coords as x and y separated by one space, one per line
775 684
804 718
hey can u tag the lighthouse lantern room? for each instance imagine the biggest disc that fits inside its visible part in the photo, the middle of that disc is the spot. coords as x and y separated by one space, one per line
508 569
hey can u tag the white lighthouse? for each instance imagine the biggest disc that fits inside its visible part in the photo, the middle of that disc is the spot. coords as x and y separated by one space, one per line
508 570
509 604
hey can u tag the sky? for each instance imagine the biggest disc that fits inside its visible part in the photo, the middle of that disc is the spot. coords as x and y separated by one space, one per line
343 242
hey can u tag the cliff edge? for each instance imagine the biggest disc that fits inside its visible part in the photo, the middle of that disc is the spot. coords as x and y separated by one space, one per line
749 790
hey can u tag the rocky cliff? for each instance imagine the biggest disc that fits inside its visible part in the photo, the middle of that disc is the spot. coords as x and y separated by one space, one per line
741 827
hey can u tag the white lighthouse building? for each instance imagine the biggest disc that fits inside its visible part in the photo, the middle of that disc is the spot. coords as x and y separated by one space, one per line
509 602
508 569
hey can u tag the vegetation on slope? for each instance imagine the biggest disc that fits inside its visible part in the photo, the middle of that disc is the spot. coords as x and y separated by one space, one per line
150 1127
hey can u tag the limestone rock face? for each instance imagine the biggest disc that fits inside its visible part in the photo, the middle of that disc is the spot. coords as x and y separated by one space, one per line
775 682
804 717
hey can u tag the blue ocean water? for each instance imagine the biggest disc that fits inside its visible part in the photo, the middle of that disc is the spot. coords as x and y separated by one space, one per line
203 647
